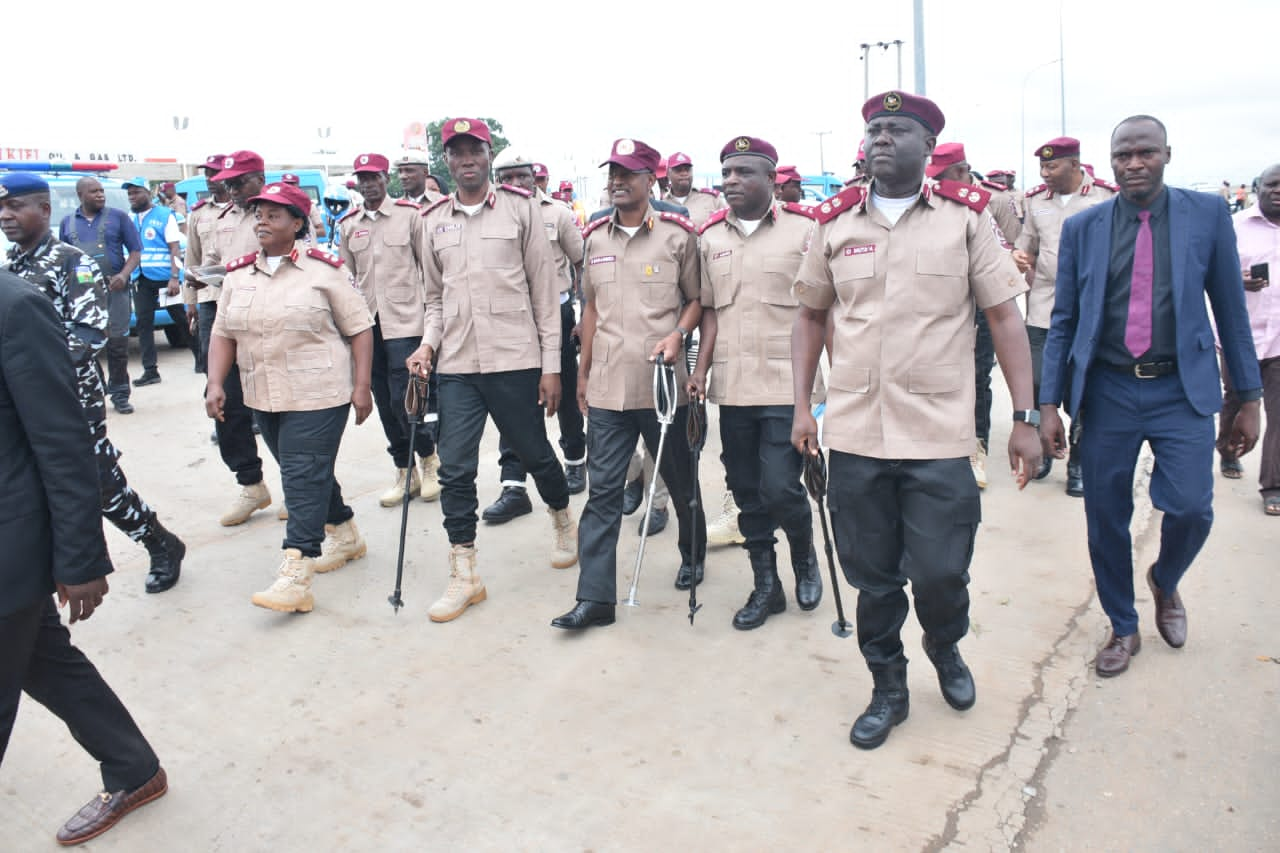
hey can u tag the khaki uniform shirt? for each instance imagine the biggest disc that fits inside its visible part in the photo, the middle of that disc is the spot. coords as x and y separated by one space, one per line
428 198
1003 209
747 279
291 329
902 297
1041 230
566 239
639 286
201 248
491 298
381 252
234 235
700 205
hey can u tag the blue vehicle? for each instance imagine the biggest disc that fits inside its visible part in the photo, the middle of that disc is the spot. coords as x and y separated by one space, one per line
819 188
311 181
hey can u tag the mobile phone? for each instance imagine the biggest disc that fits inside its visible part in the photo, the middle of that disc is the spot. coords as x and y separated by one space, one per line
1260 272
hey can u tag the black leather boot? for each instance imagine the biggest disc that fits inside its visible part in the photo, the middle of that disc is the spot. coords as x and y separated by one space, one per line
889 706
954 678
512 503
1075 477
766 598
808 577
166 551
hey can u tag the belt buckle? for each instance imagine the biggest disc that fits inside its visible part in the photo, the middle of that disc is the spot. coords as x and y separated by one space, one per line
1138 372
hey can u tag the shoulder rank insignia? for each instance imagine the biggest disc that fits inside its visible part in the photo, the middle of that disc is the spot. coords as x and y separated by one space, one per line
517 190
1034 191
1097 182
803 209
966 194
242 261
709 191
993 186
355 211
594 224
201 203
226 210
683 221
846 199
435 204
404 202
718 216
321 255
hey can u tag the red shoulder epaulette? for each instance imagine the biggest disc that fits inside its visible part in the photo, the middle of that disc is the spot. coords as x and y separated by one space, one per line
594 224
517 190
242 261
1037 190
201 203
847 198
435 204
1106 185
709 191
803 209
350 213
404 202
718 216
226 210
321 255
683 221
993 186
967 194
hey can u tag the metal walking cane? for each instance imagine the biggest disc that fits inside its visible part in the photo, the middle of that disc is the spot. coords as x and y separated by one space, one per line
664 405
415 406
815 480
696 432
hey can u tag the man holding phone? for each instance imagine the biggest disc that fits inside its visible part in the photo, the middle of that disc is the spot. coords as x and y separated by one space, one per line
1258 241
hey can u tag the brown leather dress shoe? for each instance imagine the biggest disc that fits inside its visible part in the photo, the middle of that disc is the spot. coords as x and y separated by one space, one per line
105 810
1171 617
1113 659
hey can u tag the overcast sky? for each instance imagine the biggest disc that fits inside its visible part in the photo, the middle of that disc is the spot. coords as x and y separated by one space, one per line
566 78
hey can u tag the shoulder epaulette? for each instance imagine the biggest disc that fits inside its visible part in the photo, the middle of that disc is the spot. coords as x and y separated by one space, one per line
993 186
683 221
201 203
718 216
435 204
350 213
321 255
847 198
226 210
709 191
594 224
404 202
517 190
1106 185
242 261
967 194
1036 190
803 209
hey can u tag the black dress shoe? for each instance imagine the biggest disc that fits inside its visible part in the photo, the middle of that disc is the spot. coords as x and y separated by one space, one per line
684 577
123 406
576 477
166 551
148 377
808 580
954 678
632 496
1075 480
585 614
1046 465
657 521
512 503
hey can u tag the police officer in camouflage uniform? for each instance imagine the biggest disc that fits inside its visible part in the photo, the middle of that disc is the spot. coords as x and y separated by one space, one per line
74 283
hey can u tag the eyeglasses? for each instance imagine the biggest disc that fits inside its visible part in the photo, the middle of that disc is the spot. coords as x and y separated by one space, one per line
234 183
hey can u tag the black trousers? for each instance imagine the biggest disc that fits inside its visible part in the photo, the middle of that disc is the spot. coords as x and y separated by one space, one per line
305 444
119 310
146 298
390 377
611 439
904 520
236 442
762 470
1037 336
39 659
573 441
984 360
467 400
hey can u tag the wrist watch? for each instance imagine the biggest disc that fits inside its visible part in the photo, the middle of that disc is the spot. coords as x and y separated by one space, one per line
1027 416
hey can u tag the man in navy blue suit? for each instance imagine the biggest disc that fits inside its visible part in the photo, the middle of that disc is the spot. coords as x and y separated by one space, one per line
1131 354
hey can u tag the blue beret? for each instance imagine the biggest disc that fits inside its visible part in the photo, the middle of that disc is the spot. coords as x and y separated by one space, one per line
21 183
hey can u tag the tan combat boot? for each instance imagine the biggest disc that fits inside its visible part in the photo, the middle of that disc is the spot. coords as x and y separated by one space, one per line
250 500
978 462
564 553
394 496
291 593
724 530
342 544
465 586
430 483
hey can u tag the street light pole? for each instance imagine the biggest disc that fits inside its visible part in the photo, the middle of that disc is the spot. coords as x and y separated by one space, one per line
866 71
1026 79
918 36
822 159
1062 73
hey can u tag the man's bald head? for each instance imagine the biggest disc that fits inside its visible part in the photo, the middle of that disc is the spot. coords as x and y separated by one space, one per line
1269 193
91 194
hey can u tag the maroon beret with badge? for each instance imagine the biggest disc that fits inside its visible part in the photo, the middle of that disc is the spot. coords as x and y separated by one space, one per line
1054 149
540 171
284 195
1000 173
213 163
895 103
787 174
634 156
566 186
239 163
290 178
679 159
742 145
944 156
472 127
371 163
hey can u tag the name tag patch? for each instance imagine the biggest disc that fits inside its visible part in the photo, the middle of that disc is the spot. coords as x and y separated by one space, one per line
363 232
1041 212
718 255
449 226
859 250
603 259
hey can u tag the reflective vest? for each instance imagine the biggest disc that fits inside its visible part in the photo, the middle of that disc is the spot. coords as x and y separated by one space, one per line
156 263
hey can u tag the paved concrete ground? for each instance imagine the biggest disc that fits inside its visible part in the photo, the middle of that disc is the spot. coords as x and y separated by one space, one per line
355 728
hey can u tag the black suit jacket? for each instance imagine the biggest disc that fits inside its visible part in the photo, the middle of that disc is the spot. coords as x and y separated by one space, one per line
50 524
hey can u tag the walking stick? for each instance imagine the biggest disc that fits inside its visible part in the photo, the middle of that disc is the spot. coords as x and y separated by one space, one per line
815 480
415 406
696 432
664 405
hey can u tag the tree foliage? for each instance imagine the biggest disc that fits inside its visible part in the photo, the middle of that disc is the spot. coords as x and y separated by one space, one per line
435 150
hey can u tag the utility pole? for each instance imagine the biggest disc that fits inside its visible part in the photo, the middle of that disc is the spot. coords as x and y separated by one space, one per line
898 43
822 158
866 71
919 45
1062 73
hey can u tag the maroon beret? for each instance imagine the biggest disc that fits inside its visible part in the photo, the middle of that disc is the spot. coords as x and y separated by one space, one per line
1054 149
633 155
895 103
944 156
371 163
749 145
239 163
787 174
472 127
284 195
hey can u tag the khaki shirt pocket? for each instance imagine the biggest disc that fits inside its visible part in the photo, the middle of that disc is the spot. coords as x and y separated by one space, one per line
509 315
404 293
658 286
500 247
310 372
359 241
396 233
942 281
600 282
850 378
598 381
238 309
780 275
302 314
856 283
934 394
725 285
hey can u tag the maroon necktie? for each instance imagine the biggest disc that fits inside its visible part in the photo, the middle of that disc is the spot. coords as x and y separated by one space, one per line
1137 331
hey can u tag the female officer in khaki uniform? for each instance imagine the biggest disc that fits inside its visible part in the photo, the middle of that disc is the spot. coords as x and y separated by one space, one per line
302 337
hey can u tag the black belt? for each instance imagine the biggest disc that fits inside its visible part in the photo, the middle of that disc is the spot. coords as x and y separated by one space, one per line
1144 369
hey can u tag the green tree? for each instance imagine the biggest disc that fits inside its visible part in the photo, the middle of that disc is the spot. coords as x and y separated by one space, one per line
435 150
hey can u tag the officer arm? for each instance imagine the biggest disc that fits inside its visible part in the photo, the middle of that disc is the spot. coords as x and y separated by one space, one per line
433 299
41 384
87 303
544 293
709 326
415 244
1225 286
587 328
690 285
1063 320
173 237
132 243
815 290
572 244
